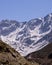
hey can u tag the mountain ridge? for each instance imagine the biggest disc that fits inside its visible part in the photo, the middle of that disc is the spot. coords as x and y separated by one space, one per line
27 37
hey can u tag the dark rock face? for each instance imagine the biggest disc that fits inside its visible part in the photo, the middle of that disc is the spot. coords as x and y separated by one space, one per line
43 56
50 56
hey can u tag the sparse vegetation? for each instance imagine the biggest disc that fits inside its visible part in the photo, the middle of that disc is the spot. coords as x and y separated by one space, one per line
8 56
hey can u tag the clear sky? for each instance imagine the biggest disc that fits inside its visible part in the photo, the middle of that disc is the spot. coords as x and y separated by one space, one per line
24 10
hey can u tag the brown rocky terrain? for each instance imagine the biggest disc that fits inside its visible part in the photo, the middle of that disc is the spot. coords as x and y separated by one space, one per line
43 56
8 56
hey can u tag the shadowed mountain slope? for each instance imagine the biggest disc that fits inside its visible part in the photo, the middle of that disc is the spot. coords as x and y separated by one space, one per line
43 56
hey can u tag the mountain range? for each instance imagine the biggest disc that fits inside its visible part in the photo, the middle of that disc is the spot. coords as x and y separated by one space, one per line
29 36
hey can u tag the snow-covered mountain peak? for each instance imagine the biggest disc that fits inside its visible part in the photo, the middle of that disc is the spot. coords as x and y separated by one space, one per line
27 37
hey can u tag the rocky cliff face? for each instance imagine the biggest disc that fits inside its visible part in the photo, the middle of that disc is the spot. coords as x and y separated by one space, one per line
8 56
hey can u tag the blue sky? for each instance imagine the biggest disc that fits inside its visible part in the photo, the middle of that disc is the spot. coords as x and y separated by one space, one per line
24 10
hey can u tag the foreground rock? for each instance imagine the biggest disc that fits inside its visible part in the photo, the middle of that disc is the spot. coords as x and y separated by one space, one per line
8 56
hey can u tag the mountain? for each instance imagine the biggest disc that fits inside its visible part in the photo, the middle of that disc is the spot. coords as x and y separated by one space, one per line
43 56
8 56
27 37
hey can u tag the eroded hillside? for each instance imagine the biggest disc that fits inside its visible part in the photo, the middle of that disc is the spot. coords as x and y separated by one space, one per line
8 56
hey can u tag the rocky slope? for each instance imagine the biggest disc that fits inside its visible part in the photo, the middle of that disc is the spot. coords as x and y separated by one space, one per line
43 56
8 56
27 37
